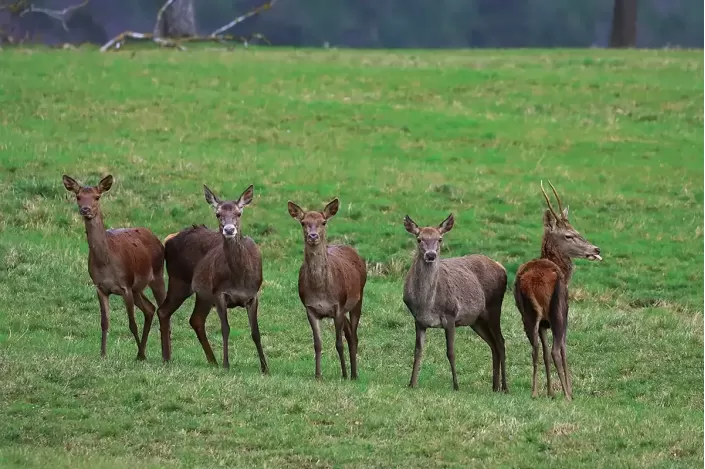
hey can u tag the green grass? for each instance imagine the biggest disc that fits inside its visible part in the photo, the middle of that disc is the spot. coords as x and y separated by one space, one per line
620 133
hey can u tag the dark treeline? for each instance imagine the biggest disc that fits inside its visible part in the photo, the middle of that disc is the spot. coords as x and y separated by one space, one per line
384 23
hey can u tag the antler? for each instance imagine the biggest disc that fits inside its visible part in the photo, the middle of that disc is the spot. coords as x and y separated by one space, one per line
548 202
560 205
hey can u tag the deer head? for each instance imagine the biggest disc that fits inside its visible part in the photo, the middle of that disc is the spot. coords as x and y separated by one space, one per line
429 238
228 212
88 197
313 222
567 239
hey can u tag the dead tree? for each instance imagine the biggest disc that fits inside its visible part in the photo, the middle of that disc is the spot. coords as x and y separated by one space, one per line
624 23
176 25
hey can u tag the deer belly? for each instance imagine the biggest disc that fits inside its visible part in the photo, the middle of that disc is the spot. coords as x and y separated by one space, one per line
429 319
322 308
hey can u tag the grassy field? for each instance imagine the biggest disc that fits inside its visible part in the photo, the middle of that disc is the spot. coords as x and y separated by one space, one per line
421 133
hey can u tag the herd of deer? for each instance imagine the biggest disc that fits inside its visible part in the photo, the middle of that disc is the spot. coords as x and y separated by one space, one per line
224 269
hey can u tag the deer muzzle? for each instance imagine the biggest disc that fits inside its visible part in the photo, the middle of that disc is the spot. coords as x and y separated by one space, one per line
229 230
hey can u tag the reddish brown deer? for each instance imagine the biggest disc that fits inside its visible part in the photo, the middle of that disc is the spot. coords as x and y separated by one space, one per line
541 291
453 292
331 283
121 262
223 270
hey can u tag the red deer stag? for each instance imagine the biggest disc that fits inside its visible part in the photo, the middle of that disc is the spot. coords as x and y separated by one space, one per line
331 283
121 261
541 291
223 269
453 292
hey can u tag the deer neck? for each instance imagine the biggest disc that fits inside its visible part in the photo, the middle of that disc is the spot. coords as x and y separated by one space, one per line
234 252
97 240
551 251
424 280
316 264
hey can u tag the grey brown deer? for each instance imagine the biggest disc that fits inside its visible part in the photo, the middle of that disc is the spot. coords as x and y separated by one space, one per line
453 292
331 283
223 268
122 261
541 291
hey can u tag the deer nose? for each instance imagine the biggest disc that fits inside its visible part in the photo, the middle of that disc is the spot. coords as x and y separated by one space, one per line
313 236
229 230
84 210
597 250
430 256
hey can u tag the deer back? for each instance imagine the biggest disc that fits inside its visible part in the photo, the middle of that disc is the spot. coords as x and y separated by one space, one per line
137 257
237 273
187 248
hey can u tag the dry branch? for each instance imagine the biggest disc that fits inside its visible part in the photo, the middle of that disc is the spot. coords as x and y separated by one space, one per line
215 36
63 16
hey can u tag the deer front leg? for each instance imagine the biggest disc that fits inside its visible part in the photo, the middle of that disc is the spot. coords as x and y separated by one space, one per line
254 332
104 321
418 353
316 330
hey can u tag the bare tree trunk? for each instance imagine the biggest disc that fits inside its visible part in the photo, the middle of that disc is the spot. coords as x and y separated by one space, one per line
624 23
179 19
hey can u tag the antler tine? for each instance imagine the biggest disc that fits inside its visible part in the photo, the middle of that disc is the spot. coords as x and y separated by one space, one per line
548 202
560 205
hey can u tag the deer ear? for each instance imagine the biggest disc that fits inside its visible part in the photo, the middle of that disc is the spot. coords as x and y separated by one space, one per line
70 184
211 198
105 184
246 197
447 224
295 211
331 209
549 221
411 225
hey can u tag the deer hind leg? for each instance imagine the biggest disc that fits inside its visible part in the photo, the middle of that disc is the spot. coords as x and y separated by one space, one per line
198 322
546 360
254 332
104 321
558 359
176 295
351 337
496 331
450 351
129 300
147 309
418 354
339 320
316 330
531 327
158 289
569 382
481 328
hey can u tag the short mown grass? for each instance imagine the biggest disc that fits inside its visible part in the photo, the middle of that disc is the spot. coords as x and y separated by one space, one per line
424 133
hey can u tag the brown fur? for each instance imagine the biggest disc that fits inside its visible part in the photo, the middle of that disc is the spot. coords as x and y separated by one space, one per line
120 262
222 270
541 292
331 283
459 291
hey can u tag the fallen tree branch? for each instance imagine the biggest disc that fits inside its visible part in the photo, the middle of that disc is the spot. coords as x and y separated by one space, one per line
215 36
242 18
63 16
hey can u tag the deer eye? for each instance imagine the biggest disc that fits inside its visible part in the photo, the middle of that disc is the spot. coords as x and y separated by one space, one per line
569 237
324 222
440 240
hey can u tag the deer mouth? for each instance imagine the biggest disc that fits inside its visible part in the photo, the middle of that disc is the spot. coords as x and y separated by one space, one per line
593 257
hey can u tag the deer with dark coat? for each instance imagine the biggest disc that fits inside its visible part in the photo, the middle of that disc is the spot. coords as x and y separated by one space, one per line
122 261
223 269
453 292
541 291
331 283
